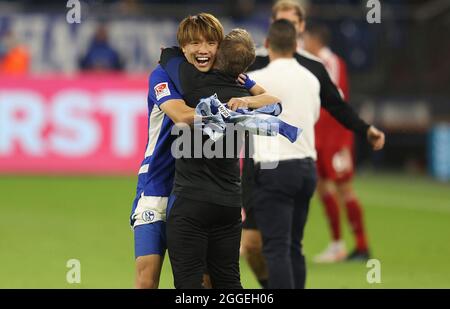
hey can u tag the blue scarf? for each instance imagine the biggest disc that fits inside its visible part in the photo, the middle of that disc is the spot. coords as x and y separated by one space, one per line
261 121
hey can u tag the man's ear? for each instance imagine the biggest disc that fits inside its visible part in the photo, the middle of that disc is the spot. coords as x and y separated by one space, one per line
302 27
266 43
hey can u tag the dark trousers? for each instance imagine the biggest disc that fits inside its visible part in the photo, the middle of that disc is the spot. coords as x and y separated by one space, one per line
282 198
204 237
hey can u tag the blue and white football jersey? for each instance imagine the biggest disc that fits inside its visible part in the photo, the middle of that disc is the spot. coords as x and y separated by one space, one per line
157 170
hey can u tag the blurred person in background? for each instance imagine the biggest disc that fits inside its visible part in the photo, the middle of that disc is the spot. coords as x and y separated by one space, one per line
334 145
14 57
101 56
330 98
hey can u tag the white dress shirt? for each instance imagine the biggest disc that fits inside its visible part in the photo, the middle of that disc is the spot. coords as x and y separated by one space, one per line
299 91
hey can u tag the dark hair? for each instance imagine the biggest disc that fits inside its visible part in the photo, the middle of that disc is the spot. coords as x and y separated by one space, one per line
319 32
236 53
282 37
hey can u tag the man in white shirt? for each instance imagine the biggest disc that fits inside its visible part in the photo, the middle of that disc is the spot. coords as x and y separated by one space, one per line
282 195
330 99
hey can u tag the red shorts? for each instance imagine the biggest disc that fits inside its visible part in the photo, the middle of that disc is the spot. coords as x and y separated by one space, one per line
335 163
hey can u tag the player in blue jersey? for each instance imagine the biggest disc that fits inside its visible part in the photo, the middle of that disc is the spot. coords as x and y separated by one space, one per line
154 183
166 107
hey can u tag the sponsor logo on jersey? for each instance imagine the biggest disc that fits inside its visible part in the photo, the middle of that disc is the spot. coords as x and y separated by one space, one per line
161 90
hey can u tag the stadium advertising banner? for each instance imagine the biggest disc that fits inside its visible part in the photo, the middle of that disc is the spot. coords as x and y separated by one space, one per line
92 123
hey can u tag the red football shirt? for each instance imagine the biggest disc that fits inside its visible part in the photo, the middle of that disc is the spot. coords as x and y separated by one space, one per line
328 131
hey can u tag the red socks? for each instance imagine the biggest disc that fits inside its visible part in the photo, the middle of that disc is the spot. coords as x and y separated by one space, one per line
332 211
355 217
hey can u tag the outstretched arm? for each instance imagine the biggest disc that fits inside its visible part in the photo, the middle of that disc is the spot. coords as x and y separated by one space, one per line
375 138
332 101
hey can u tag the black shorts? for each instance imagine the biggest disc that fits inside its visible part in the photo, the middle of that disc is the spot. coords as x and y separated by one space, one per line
200 236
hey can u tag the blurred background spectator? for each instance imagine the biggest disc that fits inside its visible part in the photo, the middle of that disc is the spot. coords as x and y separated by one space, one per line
100 55
14 57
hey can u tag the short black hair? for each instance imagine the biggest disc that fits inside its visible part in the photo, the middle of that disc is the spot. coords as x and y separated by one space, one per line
282 37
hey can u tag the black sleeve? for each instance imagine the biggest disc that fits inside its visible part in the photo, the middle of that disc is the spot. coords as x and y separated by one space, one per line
170 53
259 63
183 74
332 101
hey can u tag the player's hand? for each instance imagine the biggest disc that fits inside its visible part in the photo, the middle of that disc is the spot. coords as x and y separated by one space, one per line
241 78
246 81
375 138
236 103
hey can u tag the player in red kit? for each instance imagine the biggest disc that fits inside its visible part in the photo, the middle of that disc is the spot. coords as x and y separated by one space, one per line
334 145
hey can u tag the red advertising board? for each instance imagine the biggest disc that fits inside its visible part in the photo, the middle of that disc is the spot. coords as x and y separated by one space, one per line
81 124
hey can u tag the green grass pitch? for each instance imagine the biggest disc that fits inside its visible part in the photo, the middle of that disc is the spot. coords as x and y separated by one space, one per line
45 221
